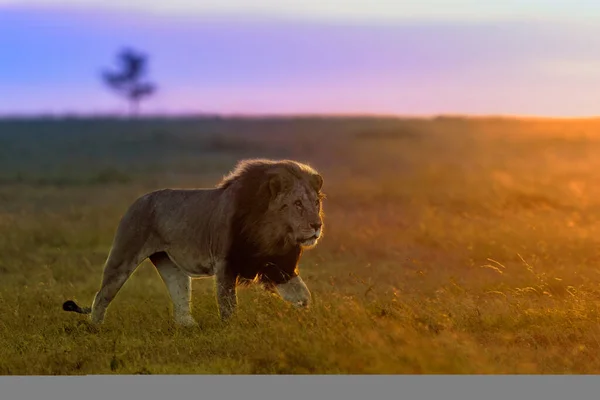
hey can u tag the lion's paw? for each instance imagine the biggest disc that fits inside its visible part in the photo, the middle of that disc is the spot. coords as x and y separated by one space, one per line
187 321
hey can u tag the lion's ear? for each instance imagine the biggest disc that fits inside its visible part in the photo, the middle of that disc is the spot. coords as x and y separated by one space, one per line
277 184
316 181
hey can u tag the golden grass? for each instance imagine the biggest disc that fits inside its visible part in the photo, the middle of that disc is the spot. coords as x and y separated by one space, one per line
451 246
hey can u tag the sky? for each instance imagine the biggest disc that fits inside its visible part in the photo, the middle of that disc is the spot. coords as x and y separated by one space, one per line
307 57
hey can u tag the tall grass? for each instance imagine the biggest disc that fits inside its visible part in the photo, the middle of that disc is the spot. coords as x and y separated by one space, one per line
451 246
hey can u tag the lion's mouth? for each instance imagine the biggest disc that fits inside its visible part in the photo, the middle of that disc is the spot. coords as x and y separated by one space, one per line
311 239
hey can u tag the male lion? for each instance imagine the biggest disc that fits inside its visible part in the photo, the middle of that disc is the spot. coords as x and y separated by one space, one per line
253 225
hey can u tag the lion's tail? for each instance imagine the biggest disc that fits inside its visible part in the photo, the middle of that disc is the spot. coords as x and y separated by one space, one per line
70 305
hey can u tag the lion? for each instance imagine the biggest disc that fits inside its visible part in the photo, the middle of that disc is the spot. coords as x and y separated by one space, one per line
253 226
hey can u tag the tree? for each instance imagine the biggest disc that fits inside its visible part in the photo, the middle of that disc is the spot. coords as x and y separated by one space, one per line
128 82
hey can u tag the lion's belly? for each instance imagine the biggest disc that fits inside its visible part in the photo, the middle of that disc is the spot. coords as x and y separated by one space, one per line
193 263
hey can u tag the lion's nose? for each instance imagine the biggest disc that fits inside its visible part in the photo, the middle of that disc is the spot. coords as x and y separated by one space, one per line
316 226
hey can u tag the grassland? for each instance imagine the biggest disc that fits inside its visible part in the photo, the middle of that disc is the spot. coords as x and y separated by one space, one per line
451 246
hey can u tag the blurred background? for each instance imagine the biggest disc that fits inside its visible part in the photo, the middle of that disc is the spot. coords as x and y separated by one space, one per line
427 57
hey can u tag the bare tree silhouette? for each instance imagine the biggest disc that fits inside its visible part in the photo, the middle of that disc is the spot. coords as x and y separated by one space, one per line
128 82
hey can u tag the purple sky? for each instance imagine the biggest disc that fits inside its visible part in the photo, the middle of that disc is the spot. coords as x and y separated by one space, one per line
50 63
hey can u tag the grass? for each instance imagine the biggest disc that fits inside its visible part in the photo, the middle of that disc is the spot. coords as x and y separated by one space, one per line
452 245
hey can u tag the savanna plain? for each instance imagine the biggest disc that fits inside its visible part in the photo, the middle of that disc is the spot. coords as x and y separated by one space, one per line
451 245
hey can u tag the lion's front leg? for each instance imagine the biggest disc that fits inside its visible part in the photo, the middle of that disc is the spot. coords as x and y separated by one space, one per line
226 292
294 291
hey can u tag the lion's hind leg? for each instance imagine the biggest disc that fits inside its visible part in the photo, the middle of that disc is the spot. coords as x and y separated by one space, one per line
179 286
116 272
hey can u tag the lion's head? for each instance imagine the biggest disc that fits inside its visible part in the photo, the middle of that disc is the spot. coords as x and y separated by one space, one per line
279 203
296 205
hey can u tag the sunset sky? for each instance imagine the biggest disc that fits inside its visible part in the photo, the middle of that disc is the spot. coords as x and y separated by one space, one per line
293 57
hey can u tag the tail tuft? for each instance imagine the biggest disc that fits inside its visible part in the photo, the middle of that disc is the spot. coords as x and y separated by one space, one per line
70 305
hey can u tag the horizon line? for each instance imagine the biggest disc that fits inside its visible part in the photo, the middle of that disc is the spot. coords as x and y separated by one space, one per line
279 116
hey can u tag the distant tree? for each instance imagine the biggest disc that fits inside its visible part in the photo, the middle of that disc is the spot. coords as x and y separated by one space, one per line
128 81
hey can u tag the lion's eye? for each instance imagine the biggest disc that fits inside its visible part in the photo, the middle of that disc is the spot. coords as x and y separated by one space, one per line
298 203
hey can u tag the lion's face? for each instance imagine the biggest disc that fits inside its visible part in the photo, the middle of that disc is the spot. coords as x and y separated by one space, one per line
297 207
